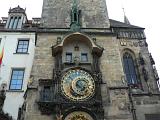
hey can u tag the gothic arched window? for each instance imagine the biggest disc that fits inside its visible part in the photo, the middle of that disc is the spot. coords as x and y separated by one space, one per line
129 68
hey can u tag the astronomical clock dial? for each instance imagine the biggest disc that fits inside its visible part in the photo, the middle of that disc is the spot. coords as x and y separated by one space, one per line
78 115
77 85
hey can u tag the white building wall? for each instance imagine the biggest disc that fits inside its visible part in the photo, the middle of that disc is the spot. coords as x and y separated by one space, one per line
14 99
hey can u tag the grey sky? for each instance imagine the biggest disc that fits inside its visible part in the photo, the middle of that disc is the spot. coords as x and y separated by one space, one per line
143 13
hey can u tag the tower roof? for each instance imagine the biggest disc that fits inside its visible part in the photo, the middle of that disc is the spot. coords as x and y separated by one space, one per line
118 24
17 9
126 20
125 17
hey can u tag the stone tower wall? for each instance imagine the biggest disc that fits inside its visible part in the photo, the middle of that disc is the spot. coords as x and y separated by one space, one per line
57 13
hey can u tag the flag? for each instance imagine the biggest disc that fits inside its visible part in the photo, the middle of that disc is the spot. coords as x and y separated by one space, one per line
1 55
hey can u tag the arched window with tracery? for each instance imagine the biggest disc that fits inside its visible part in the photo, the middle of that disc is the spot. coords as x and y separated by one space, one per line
129 68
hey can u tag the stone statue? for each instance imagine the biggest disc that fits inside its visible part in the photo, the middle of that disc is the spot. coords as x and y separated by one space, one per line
59 117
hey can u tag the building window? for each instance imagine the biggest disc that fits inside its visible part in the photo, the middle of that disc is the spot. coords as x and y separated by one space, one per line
129 69
68 57
84 57
16 79
47 93
75 17
22 46
14 22
18 23
11 22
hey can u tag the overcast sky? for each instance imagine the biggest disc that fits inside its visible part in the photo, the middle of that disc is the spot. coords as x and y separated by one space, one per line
143 13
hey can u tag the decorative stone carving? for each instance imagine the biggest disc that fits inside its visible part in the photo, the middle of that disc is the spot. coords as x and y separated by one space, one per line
155 73
30 81
146 44
59 40
135 44
151 59
75 17
145 74
59 117
76 60
123 42
94 39
141 60
129 43
119 92
123 106
141 43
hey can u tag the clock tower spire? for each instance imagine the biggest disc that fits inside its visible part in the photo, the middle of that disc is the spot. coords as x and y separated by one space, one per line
75 17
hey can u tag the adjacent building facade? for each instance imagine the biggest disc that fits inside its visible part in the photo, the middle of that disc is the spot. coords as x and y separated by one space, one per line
18 43
88 67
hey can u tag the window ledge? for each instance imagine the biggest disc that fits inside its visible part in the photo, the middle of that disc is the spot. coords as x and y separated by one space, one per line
81 63
85 63
15 91
69 63
22 53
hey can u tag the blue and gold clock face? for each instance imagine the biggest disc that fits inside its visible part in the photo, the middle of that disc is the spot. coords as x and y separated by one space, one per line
77 85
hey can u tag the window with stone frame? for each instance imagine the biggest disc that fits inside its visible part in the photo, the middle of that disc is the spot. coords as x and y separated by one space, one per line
129 69
22 46
47 93
84 57
68 57
17 77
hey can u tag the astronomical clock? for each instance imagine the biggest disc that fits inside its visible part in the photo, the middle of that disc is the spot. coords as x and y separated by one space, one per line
77 79
77 85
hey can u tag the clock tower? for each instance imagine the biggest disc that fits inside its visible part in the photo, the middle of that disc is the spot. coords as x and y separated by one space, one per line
89 67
